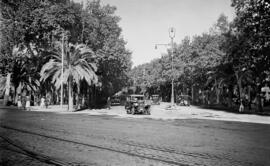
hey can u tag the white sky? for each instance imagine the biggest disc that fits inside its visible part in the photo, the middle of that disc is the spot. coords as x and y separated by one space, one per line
146 22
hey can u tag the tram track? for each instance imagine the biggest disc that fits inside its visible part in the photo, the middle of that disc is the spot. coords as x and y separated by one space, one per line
17 148
166 155
135 153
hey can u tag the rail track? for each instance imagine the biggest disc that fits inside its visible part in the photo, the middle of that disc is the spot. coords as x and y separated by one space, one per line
164 155
17 148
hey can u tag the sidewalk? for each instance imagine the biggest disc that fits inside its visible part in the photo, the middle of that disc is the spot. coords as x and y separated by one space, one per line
160 112
51 108
182 112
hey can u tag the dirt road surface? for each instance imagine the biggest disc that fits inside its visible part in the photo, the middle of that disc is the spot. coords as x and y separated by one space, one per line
47 138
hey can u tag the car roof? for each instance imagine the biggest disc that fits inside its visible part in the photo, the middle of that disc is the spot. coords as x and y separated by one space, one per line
134 95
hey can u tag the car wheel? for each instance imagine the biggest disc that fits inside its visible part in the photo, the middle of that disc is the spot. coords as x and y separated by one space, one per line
132 110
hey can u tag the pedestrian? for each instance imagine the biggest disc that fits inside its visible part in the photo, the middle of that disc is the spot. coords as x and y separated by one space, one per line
23 102
241 108
46 102
27 105
109 103
19 102
42 102
83 102
267 96
262 100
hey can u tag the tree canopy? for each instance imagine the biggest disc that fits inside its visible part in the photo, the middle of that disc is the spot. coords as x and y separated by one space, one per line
34 26
232 59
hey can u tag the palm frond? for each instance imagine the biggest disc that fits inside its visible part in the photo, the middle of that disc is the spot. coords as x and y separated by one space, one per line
80 69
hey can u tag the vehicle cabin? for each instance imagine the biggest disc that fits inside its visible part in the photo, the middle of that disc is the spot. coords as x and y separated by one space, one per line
155 99
183 100
136 97
115 100
137 104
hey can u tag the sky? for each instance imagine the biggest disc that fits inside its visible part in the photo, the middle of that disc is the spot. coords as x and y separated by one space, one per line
145 23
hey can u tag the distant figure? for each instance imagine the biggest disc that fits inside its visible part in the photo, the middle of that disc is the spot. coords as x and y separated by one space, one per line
19 102
262 100
83 102
241 108
42 102
27 105
109 103
23 102
46 102
267 96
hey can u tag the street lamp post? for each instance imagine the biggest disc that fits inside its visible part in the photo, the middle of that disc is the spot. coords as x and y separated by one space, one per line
62 69
171 35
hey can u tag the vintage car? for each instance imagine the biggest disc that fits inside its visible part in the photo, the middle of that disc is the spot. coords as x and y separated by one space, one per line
137 104
115 100
183 100
155 99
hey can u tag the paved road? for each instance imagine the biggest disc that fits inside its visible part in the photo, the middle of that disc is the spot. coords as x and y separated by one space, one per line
40 138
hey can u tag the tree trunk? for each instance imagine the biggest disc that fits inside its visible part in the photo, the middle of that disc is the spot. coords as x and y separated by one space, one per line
230 99
217 91
7 89
192 94
240 89
241 106
259 105
239 84
89 96
218 94
258 99
78 104
70 97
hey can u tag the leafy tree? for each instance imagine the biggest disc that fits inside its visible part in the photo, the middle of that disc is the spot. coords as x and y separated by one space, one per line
31 26
37 25
76 67
250 50
192 60
102 33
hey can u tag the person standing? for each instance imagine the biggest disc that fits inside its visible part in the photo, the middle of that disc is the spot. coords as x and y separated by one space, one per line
109 103
27 105
241 108
46 102
23 102
42 102
19 102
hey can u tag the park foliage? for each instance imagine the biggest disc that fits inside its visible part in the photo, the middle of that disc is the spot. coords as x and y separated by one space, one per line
33 35
231 61
226 63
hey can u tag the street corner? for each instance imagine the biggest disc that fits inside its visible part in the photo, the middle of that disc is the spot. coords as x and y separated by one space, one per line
160 112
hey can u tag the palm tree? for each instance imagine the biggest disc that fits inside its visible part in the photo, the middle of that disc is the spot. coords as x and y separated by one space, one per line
77 67
22 73
25 71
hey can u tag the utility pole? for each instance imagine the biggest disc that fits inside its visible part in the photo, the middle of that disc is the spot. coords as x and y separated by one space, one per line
62 69
171 35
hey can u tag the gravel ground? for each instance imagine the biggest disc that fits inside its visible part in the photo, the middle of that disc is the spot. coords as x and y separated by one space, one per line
160 112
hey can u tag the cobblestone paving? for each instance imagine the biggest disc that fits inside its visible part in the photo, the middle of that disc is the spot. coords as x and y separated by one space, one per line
104 140
11 156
